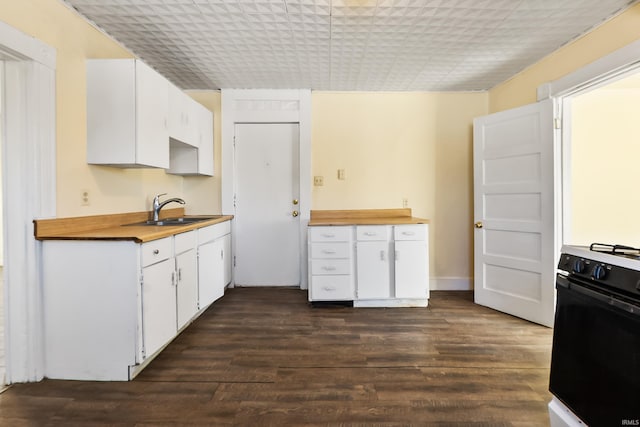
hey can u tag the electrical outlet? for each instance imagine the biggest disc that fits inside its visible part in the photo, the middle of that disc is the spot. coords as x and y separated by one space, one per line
318 180
405 202
84 198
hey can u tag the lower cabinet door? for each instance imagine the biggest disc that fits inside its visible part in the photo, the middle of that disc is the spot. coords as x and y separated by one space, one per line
374 273
226 259
187 288
210 271
412 269
158 305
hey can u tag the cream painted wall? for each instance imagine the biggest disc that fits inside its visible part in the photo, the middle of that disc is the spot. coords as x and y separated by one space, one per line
612 35
402 145
111 190
605 149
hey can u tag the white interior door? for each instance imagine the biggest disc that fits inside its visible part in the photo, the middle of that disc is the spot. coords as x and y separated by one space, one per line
514 241
267 239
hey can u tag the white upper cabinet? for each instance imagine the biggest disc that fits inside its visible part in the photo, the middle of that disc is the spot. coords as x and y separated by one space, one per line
191 132
183 121
127 114
205 142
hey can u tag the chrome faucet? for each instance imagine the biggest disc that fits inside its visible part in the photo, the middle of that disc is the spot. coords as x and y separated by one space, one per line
157 205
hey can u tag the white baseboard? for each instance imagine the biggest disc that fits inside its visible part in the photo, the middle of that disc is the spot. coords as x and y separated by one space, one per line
451 283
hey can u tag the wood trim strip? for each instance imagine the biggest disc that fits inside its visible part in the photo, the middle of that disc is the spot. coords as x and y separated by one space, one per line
64 226
360 214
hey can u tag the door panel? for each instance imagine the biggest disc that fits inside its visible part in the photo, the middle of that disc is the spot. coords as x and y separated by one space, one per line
187 292
374 274
158 305
267 247
515 241
412 269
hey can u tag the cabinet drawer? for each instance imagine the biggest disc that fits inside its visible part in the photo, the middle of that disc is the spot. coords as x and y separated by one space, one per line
330 234
332 288
330 266
331 250
410 232
373 232
185 241
156 251
212 232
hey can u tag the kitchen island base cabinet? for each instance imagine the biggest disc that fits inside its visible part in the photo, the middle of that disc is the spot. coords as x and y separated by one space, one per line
391 265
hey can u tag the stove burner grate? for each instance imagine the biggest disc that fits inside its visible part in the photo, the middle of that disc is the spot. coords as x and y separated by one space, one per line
620 250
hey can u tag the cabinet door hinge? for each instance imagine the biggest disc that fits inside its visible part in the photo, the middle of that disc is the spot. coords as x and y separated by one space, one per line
235 199
557 123
234 260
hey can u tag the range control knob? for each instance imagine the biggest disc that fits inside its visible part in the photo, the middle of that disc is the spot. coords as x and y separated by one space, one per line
579 266
599 272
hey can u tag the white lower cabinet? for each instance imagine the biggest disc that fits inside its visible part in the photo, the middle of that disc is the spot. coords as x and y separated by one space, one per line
411 261
331 264
373 253
388 266
158 305
111 306
214 261
186 277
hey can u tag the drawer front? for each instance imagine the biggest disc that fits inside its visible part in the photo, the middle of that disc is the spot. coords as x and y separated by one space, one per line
331 250
212 232
332 288
330 234
410 232
373 232
156 251
330 266
185 241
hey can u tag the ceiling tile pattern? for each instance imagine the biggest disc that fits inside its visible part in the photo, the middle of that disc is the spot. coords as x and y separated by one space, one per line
359 45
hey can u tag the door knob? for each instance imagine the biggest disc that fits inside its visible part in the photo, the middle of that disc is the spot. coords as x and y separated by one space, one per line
295 201
295 213
478 224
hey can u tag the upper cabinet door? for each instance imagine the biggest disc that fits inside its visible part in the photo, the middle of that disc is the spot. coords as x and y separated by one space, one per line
183 126
152 112
205 142
127 108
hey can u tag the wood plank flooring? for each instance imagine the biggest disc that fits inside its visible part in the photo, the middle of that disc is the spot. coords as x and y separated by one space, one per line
265 357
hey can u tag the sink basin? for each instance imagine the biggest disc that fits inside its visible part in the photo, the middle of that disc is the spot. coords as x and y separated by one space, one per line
185 220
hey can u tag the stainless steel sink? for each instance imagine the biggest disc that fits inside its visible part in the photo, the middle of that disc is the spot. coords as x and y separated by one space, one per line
185 220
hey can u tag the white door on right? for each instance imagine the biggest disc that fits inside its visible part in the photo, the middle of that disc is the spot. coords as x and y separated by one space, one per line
514 210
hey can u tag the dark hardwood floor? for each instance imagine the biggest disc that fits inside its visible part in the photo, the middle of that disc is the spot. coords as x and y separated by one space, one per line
265 357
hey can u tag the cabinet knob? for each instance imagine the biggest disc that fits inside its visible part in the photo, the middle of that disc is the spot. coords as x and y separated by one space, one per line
156 251
295 213
296 201
478 224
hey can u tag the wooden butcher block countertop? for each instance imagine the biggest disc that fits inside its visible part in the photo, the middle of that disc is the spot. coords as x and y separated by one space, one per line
116 226
365 217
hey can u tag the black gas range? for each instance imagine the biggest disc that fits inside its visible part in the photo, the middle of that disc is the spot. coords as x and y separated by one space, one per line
595 362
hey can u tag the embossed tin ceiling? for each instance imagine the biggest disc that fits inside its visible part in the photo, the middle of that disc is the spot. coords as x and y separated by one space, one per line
369 45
